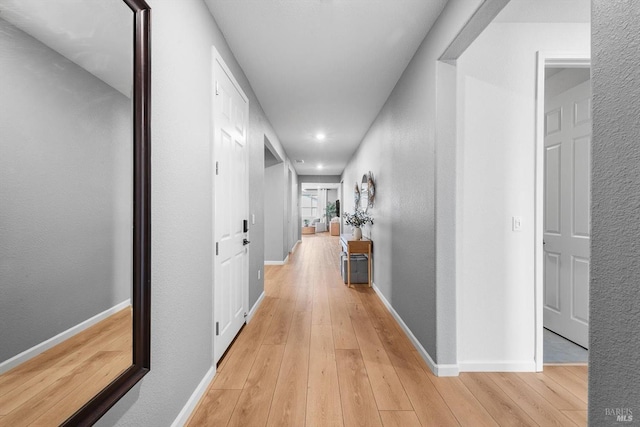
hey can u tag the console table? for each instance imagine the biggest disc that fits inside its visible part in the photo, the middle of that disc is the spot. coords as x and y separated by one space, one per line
351 246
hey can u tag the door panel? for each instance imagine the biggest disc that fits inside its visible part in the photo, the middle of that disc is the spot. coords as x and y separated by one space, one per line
552 281
552 181
230 113
553 121
582 111
567 220
580 275
582 186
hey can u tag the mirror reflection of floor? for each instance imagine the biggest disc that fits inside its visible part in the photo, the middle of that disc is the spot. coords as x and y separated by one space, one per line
558 349
49 388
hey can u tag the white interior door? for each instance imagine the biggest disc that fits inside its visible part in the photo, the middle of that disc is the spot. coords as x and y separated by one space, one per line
230 115
567 220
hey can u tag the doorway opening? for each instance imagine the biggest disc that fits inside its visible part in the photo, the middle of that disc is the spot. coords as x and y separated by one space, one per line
563 222
318 207
276 217
499 219
290 226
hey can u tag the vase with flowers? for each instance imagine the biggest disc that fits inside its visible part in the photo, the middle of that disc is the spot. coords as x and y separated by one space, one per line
357 220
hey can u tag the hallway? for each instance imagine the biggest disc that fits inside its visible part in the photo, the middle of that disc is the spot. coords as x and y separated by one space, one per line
319 354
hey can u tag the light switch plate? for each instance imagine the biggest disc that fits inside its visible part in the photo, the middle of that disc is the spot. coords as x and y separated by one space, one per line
516 223
253 219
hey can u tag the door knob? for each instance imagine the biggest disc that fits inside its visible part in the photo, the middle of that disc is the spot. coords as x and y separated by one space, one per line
245 242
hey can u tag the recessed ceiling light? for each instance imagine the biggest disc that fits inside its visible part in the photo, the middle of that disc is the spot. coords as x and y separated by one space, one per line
319 166
320 136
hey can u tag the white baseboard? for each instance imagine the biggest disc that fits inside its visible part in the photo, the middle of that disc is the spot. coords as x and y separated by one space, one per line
450 370
295 245
63 336
438 370
498 366
277 262
255 307
197 394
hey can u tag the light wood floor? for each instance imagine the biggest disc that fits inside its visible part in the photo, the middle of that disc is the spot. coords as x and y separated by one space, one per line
49 388
319 354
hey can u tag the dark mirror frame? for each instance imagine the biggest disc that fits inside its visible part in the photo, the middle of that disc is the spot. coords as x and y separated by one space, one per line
141 292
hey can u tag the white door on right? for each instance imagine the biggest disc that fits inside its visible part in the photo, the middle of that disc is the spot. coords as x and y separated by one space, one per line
567 213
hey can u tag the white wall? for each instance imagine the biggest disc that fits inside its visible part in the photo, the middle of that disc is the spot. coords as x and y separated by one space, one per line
290 209
65 193
564 80
496 131
181 303
332 195
274 214
280 224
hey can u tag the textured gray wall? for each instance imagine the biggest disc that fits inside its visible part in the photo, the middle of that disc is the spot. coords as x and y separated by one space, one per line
400 150
183 33
65 193
614 371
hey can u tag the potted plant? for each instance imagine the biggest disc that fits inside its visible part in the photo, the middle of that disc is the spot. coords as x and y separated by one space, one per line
330 211
357 220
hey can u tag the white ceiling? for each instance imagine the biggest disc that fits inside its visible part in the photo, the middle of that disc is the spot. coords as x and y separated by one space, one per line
568 11
323 66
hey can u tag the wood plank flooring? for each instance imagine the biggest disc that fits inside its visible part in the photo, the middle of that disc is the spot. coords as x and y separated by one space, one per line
320 354
49 388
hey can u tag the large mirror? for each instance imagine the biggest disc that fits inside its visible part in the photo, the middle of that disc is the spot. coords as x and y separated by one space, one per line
74 207
364 193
